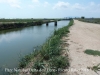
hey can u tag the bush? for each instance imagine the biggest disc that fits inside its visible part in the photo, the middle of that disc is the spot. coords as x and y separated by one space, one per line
82 17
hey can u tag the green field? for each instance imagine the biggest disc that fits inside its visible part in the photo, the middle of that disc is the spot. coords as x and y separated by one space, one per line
91 20
26 20
19 23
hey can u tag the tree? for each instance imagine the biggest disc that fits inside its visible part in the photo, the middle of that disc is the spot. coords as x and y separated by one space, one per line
82 17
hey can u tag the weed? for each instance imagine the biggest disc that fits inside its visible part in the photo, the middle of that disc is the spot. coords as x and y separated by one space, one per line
24 61
59 62
92 52
38 66
96 68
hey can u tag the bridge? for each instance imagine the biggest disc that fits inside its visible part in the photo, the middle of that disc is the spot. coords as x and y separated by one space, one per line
55 21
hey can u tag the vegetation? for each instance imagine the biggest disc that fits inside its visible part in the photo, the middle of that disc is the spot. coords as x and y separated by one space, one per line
59 62
17 20
92 52
49 54
4 26
90 20
24 61
82 17
29 19
19 23
96 68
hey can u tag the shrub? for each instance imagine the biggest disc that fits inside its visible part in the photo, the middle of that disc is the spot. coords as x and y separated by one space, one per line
82 17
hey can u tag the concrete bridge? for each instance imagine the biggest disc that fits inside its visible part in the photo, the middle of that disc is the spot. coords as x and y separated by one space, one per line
55 23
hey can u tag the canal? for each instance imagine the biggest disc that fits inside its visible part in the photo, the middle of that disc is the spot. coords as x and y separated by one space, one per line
16 43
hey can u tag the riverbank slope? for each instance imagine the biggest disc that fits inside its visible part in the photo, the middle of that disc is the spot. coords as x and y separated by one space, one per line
51 56
83 36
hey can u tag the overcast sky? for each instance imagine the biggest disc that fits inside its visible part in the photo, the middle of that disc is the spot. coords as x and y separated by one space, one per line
49 8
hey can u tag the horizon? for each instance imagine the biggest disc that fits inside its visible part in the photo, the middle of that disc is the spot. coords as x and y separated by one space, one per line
12 9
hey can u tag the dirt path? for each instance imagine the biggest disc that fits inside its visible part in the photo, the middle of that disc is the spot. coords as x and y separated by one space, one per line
83 36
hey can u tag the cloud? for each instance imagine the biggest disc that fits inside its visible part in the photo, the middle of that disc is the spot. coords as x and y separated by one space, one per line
78 6
35 1
93 7
61 4
12 3
31 6
89 7
46 4
11 36
15 5
92 3
1 1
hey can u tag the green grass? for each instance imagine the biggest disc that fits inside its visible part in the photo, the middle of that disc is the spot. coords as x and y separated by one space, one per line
91 20
96 68
26 20
59 62
24 61
92 52
52 46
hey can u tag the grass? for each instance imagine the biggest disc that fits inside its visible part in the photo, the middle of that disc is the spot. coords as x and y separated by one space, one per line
29 19
4 26
49 54
52 46
24 61
91 20
19 23
59 62
96 68
95 53
92 52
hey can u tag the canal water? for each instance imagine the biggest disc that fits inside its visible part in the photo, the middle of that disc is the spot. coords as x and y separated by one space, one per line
16 43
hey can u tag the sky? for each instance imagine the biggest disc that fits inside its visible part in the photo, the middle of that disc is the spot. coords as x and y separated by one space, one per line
49 8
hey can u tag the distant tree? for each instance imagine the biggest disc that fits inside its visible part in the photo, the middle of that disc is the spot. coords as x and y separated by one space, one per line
82 17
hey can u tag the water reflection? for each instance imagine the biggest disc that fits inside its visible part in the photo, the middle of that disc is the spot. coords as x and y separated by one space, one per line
9 37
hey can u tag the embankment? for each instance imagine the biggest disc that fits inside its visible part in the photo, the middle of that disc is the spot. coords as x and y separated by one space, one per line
12 25
48 58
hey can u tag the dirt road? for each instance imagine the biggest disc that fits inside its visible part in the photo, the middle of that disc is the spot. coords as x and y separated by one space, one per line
83 36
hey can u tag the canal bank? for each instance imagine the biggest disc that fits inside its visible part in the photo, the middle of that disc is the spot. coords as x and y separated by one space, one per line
7 24
51 59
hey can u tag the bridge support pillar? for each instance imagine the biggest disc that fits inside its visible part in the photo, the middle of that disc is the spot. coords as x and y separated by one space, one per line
46 23
55 23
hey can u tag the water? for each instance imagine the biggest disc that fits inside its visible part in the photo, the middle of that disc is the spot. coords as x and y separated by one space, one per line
16 43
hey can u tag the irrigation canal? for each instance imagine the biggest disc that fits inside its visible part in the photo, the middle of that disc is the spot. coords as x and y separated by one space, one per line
16 43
